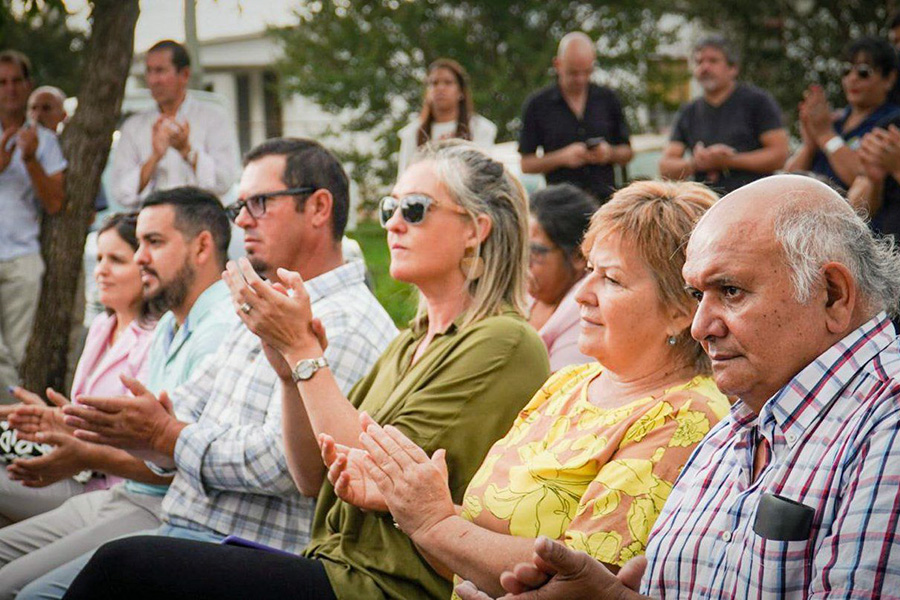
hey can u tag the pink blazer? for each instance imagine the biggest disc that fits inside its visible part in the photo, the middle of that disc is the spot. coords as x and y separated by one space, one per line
100 365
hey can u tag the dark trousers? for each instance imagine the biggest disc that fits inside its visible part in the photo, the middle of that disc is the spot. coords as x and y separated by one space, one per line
163 568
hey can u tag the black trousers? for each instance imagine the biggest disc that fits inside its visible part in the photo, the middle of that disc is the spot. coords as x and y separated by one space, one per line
164 568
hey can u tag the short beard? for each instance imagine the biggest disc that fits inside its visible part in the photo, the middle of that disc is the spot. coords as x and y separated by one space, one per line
172 294
261 267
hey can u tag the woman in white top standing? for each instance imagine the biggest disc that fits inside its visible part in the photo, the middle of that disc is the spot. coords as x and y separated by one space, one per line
447 112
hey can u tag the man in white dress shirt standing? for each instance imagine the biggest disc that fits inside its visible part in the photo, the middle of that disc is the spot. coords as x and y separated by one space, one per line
182 141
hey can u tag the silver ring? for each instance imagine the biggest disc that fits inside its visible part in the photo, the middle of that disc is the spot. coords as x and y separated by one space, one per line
246 308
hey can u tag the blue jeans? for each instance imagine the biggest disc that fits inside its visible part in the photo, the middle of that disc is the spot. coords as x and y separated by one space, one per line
54 584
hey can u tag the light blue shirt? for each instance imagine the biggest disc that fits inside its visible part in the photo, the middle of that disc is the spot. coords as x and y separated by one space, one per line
20 225
177 353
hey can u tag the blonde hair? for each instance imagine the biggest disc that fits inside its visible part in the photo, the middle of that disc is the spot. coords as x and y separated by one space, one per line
483 186
657 217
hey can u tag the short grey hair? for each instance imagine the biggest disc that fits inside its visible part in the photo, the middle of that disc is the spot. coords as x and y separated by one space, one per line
812 235
732 57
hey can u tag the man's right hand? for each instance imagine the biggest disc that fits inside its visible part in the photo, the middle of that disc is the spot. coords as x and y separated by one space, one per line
574 155
6 151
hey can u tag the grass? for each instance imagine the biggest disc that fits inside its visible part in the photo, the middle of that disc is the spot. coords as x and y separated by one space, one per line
399 299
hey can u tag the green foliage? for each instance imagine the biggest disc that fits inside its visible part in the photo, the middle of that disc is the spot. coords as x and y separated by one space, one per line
787 45
38 28
369 57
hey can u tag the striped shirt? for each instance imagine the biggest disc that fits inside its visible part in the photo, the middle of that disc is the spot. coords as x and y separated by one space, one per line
232 475
833 434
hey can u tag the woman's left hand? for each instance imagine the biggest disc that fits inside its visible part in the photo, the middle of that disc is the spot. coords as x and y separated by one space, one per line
282 321
414 486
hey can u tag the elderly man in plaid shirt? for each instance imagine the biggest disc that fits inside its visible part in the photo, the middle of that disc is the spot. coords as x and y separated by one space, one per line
223 443
797 493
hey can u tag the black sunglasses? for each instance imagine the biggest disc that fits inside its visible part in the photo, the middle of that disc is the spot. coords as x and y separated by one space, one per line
412 208
256 205
863 71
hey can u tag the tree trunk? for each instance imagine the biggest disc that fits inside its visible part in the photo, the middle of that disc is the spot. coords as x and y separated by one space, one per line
85 142
192 43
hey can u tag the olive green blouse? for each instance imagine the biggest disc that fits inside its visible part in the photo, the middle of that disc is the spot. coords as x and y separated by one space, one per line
462 395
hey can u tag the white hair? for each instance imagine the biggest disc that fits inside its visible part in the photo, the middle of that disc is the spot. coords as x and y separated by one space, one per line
52 90
813 234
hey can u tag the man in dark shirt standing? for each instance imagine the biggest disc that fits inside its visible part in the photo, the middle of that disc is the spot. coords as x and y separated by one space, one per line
579 125
733 131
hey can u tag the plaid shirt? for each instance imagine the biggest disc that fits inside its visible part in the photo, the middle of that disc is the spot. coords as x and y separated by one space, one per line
232 475
834 435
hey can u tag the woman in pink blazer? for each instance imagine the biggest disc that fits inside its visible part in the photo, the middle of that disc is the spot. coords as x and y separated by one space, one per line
117 343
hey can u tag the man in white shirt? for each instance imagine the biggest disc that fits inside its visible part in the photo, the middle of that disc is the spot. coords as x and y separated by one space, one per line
32 171
182 141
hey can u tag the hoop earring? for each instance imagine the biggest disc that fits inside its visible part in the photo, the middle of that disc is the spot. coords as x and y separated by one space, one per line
471 264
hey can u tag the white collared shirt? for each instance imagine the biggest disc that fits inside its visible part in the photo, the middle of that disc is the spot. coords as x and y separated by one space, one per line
212 136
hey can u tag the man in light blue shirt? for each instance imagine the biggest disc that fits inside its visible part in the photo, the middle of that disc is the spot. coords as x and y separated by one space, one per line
184 236
31 182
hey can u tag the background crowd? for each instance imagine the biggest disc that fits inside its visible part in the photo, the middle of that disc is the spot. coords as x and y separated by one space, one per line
561 405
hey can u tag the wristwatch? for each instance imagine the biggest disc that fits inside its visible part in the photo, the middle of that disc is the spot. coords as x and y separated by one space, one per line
306 368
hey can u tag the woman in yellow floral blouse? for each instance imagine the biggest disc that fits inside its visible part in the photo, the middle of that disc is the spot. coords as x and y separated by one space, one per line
592 458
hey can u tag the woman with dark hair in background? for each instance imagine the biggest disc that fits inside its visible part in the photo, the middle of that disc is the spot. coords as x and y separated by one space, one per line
447 112
830 145
117 343
560 214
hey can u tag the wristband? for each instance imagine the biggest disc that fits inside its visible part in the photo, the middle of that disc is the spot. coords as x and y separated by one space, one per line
834 144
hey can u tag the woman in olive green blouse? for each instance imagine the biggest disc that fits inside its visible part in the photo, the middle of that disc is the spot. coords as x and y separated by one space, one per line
457 229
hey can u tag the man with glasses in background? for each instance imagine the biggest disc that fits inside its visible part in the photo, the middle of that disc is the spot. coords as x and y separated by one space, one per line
733 132
224 443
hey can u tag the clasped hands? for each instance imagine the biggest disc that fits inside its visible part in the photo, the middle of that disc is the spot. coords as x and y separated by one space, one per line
169 133
279 313
879 152
35 421
390 473
577 154
142 424
711 159
816 120
25 139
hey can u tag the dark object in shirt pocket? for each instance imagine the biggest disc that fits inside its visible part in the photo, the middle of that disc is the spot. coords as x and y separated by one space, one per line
782 519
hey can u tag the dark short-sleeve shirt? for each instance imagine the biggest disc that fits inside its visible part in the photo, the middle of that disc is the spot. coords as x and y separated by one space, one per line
549 123
739 122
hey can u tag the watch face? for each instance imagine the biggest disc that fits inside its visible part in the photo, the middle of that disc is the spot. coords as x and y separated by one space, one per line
306 369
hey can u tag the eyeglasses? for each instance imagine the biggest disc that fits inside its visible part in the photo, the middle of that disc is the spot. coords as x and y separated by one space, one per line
539 251
256 205
863 71
412 208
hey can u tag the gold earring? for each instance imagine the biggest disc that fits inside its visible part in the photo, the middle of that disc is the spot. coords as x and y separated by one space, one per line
471 264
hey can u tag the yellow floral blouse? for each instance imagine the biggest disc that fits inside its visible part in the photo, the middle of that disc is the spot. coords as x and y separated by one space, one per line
593 478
